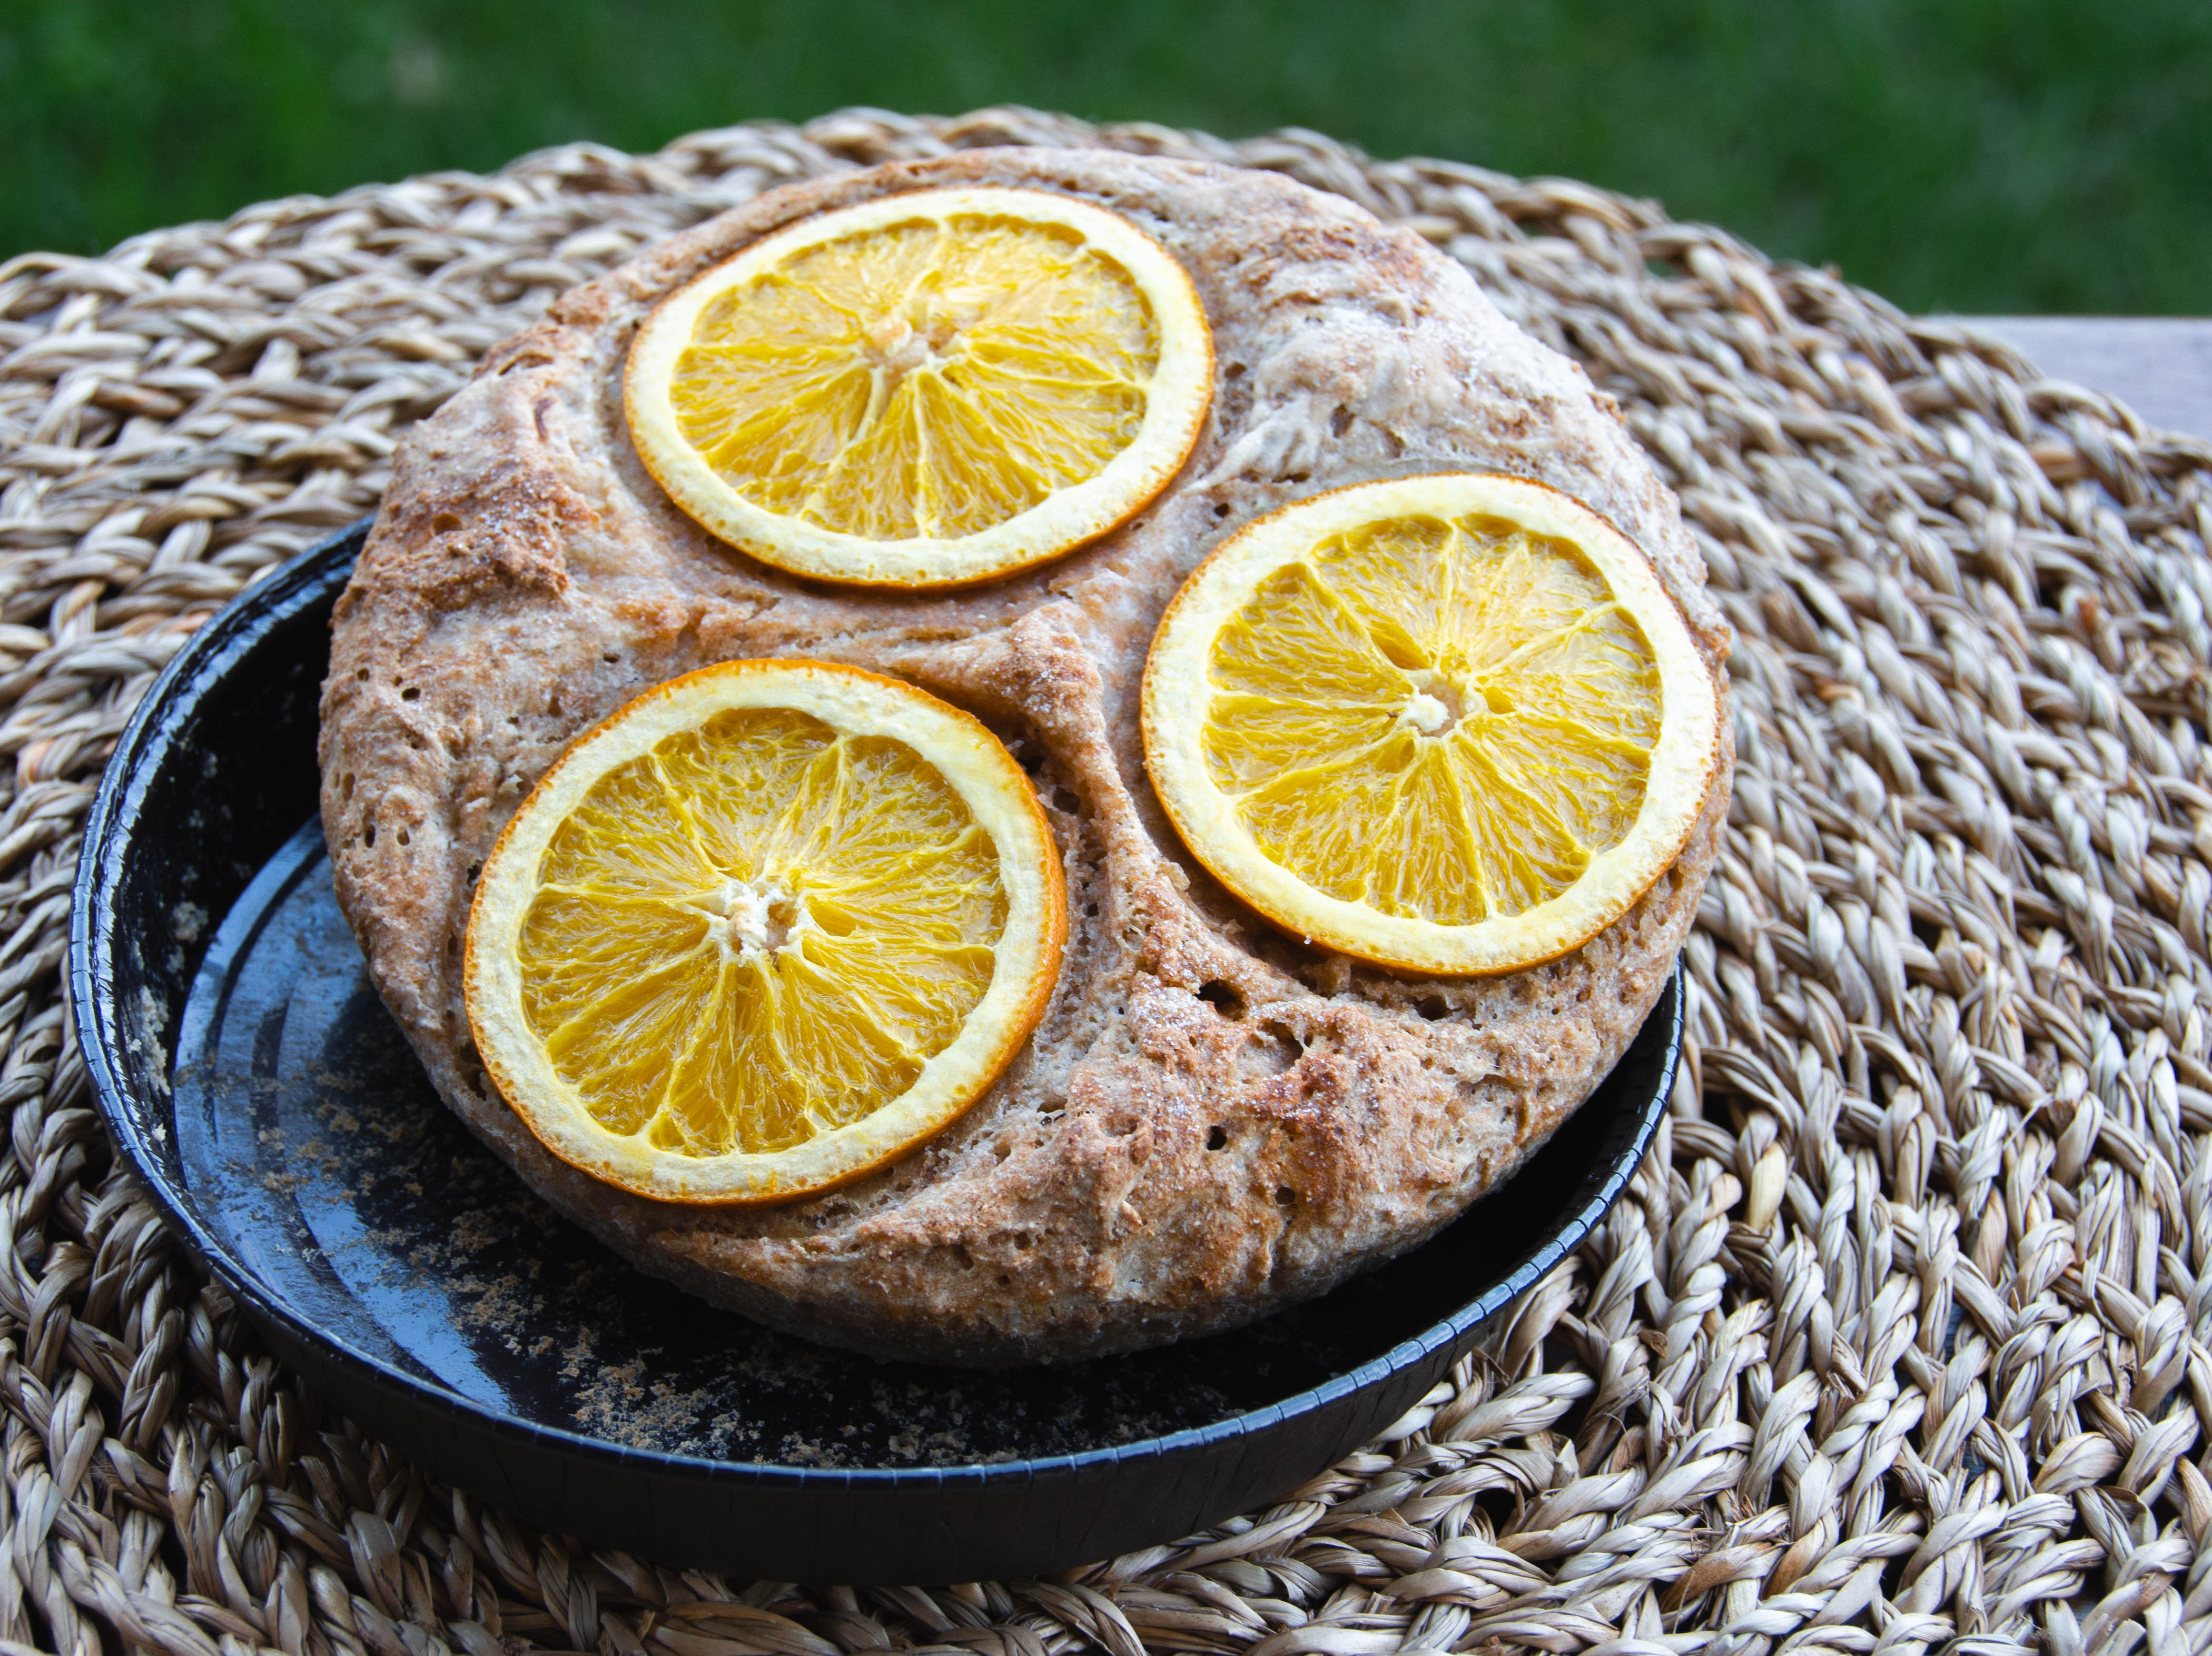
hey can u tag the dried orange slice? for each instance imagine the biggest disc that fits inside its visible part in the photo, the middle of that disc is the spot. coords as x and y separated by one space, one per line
1449 724
771 925
928 389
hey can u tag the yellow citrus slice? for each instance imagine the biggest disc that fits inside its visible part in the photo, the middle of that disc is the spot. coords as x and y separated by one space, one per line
1447 724
929 390
771 925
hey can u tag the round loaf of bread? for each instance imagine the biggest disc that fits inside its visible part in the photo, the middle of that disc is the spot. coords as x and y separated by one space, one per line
1213 1119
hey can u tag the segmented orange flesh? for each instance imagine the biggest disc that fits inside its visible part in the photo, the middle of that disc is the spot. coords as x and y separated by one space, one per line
1444 719
929 379
758 932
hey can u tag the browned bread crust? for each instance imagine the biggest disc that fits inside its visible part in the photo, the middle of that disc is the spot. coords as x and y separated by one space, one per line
1212 1121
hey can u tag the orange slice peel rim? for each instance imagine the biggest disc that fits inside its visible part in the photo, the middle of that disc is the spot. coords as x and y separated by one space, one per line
1178 398
1178 693
855 702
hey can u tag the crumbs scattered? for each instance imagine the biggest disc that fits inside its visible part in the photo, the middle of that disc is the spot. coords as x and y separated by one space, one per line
147 1035
440 1240
580 1337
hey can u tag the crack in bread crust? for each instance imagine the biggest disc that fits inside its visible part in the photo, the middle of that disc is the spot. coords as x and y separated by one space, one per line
1212 1121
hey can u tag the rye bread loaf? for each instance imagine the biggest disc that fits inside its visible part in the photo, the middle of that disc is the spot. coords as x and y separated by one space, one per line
1212 1121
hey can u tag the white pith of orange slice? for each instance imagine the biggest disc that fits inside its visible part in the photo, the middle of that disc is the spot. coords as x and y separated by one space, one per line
1450 723
930 390
769 926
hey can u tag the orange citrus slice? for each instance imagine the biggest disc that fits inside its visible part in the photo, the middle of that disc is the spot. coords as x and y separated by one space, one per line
1449 724
769 926
928 389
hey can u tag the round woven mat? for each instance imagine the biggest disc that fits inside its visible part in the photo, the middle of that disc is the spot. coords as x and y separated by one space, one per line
1898 1339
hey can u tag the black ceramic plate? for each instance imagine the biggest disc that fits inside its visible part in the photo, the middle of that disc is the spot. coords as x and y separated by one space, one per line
250 1075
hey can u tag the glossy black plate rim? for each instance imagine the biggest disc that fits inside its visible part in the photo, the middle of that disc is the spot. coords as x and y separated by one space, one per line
115 812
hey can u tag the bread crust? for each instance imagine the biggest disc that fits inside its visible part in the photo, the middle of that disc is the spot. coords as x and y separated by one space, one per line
1212 1121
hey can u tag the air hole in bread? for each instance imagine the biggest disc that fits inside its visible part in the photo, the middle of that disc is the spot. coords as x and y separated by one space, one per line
368 834
1339 421
1222 998
1217 1140
611 656
445 522
405 838
1434 1008
1064 799
345 785
412 693
1285 1195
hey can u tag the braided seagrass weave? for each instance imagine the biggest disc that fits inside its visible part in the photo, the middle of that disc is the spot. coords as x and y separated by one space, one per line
1899 1339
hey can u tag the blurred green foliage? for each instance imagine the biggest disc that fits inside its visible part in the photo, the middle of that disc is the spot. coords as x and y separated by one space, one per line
1987 156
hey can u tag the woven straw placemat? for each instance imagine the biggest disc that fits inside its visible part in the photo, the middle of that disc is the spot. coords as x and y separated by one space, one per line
1898 1339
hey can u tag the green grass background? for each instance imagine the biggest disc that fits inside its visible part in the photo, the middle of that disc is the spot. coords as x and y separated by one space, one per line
1985 156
